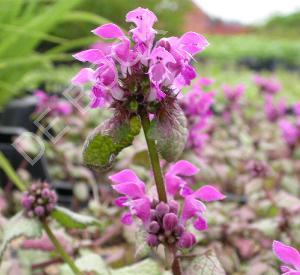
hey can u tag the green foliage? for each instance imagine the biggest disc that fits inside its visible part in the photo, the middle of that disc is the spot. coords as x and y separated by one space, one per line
227 50
107 140
283 26
24 26
19 226
70 219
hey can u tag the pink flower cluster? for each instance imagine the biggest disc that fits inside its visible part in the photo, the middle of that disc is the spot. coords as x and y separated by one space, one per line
138 66
267 85
274 110
39 200
52 104
162 220
289 256
290 131
196 105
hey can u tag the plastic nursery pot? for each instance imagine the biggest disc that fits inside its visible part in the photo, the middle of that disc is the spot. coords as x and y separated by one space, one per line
37 171
18 113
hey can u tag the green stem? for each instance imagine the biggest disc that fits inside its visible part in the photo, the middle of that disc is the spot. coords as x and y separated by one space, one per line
159 181
9 171
60 249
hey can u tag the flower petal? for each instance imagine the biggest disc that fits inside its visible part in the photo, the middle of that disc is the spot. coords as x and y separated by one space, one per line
184 168
208 193
200 223
126 218
91 55
125 175
130 189
173 183
286 254
142 208
191 207
85 75
108 31
193 42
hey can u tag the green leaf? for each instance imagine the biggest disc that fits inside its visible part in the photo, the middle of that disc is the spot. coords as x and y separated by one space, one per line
89 262
147 266
108 139
207 264
70 219
19 226
170 132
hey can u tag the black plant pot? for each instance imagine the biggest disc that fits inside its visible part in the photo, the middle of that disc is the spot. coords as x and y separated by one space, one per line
18 113
38 171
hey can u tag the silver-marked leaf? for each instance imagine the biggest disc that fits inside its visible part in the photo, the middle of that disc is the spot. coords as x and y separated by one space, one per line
89 262
19 226
147 266
206 264
108 139
169 129
70 219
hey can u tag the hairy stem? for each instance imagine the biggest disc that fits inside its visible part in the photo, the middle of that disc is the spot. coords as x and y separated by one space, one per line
176 268
159 181
65 256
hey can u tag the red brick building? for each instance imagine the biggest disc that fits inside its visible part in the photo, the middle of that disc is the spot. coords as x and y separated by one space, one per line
198 21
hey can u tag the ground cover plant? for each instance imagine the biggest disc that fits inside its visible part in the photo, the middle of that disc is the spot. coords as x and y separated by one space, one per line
179 173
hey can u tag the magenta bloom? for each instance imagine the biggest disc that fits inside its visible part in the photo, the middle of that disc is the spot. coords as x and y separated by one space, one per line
297 109
274 110
197 109
128 62
289 256
290 132
51 103
134 196
267 85
162 220
234 94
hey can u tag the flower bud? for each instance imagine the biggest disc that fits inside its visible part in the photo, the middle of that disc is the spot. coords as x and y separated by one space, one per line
39 211
162 209
152 240
179 229
170 221
154 227
187 240
173 206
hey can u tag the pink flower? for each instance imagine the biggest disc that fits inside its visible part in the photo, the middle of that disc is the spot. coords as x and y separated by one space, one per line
234 94
124 65
194 207
162 220
197 109
289 256
274 110
290 132
128 184
174 180
267 85
297 109
52 103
